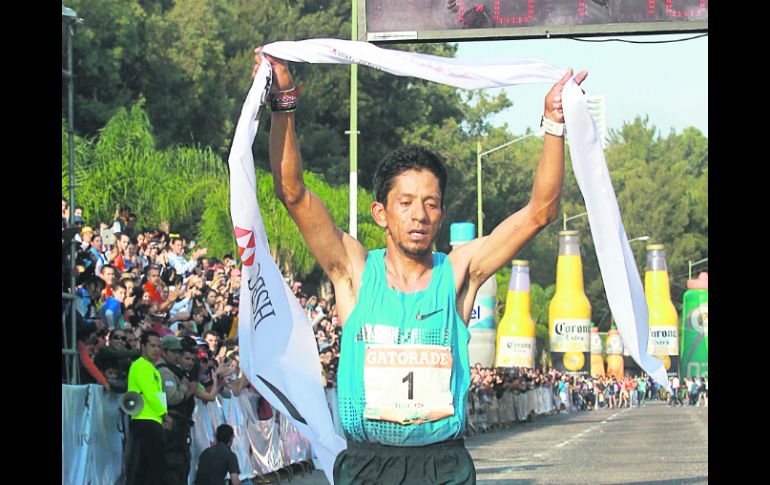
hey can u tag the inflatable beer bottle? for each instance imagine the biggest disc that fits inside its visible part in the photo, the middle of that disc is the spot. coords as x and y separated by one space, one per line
569 314
516 330
597 361
481 326
663 341
695 328
615 354
630 367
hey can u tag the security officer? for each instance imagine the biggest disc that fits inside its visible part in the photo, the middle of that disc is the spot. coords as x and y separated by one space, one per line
146 458
181 404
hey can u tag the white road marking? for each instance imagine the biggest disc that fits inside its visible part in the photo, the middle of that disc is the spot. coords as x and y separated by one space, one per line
596 426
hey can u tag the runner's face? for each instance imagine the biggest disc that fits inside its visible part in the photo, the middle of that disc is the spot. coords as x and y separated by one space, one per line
414 212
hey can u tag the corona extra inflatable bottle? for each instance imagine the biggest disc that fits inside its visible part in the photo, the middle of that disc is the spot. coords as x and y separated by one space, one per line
663 341
630 367
615 354
482 325
695 328
597 361
569 314
516 330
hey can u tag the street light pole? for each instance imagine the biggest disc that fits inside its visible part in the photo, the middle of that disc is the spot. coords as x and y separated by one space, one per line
479 215
690 264
71 18
573 217
640 238
480 154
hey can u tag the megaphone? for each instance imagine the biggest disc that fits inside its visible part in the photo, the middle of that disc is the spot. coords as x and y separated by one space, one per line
131 403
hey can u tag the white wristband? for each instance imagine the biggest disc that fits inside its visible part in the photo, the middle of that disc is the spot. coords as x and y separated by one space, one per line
551 127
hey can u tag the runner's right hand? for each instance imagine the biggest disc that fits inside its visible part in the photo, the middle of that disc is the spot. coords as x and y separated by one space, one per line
282 79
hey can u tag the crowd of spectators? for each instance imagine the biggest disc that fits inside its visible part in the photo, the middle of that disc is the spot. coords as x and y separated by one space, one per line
129 280
692 390
587 392
327 330
151 279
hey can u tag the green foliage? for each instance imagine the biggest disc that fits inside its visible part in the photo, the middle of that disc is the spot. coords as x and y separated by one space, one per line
215 230
123 168
286 242
188 188
184 67
541 299
662 190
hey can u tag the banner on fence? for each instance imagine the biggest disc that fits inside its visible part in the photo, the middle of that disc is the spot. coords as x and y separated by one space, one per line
92 435
94 430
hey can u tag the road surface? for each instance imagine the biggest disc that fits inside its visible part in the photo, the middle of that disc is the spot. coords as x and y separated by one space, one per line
654 444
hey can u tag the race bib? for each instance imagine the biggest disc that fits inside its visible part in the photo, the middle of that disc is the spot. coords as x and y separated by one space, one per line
408 384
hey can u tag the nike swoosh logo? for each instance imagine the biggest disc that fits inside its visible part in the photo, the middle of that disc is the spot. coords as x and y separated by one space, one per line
423 317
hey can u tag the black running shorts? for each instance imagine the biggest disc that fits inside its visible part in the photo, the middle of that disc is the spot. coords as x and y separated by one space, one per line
444 463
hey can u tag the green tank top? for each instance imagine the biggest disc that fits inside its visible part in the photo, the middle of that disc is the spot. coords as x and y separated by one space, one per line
404 372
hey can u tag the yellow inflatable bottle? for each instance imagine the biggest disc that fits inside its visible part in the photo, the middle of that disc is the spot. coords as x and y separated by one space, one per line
597 361
615 365
663 341
569 314
516 330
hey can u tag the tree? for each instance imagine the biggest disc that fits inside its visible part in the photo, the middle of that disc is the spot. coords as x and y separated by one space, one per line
662 190
122 167
186 65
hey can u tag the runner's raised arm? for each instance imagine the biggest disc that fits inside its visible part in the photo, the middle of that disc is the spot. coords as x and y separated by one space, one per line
341 256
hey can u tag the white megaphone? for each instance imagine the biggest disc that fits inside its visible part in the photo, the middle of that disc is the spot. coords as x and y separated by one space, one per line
131 403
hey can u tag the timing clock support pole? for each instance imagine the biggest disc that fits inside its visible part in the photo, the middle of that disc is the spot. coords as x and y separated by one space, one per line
353 228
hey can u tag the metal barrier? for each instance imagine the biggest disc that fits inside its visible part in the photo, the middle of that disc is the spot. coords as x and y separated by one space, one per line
487 411
94 430
94 434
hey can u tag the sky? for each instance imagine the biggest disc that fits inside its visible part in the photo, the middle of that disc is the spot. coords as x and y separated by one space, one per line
668 82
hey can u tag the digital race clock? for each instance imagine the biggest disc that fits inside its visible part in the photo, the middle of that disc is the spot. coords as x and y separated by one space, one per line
446 20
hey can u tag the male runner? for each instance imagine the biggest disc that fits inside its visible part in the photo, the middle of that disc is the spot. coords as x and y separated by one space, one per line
404 374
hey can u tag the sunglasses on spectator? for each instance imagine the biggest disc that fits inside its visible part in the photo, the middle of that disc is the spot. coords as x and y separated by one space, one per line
118 337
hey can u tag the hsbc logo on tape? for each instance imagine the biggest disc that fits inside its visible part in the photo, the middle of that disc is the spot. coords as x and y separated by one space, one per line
246 246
